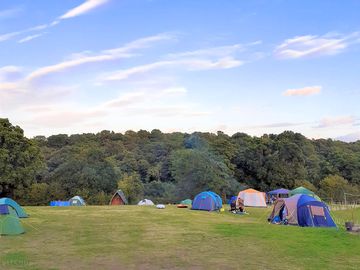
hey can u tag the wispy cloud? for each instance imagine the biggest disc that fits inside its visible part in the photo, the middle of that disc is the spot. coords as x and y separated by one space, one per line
313 45
85 7
31 37
10 13
305 91
336 121
188 64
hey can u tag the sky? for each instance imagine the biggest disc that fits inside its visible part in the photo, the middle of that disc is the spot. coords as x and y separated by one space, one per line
259 66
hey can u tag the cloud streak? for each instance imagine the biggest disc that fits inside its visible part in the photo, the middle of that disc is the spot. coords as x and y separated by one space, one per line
336 121
305 91
313 45
84 8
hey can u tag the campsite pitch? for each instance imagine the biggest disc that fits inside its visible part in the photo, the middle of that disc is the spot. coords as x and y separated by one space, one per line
134 237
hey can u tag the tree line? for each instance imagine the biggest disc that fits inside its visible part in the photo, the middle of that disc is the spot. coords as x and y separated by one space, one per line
168 167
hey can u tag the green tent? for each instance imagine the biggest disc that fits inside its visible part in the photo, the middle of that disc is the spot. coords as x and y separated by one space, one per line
187 202
302 190
9 221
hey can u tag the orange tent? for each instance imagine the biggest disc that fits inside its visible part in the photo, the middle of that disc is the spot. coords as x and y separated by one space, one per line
252 197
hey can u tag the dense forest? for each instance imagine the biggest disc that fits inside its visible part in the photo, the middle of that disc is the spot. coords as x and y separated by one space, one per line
168 167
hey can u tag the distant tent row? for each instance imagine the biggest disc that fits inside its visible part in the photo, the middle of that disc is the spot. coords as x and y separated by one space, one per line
74 201
10 212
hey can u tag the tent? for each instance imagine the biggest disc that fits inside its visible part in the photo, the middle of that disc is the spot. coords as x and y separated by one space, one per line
186 202
305 191
77 201
118 198
280 191
60 203
208 201
145 202
302 210
232 199
252 198
18 209
9 221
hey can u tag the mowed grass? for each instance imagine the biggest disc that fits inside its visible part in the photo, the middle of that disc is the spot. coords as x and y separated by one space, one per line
134 237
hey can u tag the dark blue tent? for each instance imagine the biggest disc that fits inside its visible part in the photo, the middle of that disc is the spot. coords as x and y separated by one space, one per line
208 201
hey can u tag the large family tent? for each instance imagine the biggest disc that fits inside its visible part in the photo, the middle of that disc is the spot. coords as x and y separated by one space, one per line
304 191
118 198
252 198
186 202
77 201
208 201
18 209
302 210
9 221
145 202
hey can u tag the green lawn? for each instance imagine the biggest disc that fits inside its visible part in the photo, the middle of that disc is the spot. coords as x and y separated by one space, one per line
133 237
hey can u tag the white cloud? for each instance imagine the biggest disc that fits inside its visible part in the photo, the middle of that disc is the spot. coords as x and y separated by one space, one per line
31 37
10 13
175 90
188 64
7 36
305 91
352 137
336 121
83 8
106 55
125 100
312 45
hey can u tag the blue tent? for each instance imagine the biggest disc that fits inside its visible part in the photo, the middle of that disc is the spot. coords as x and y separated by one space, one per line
280 191
59 203
19 211
304 211
208 201
232 199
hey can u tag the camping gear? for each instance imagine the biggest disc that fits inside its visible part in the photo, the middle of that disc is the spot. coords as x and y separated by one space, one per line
187 202
9 221
77 201
208 201
302 210
160 206
252 198
232 199
60 203
18 209
118 198
145 202
182 206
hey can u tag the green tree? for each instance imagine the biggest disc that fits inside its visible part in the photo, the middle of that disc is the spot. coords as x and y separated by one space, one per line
20 160
132 187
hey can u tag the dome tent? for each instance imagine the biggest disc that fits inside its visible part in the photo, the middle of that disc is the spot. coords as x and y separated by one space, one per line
77 201
252 198
208 201
145 202
186 202
18 209
9 221
118 198
302 210
305 191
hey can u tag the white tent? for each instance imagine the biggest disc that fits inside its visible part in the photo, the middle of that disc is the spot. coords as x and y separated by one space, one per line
146 202
160 206
252 197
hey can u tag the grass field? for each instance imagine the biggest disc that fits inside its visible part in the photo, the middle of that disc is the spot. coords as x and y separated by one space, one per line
133 237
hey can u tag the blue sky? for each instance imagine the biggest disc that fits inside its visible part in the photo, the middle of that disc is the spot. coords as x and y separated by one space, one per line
259 66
